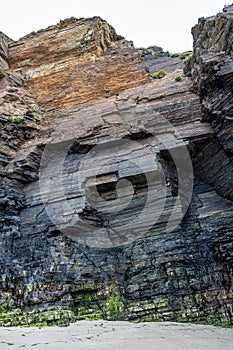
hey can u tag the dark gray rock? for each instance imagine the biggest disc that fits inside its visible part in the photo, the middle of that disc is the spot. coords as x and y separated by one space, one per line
77 236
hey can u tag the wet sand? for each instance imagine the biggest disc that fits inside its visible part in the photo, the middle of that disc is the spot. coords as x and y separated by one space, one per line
103 335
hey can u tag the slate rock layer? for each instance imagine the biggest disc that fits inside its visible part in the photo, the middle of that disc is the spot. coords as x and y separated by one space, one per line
80 85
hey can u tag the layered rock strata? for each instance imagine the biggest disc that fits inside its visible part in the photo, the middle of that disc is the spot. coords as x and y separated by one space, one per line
88 140
211 68
77 61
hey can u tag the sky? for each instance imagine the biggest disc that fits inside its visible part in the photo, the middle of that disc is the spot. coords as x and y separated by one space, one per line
165 23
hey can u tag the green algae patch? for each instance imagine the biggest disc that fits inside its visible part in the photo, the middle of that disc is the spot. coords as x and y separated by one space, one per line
55 316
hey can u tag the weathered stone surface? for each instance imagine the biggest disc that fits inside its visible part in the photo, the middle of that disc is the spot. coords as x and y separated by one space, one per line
77 61
64 258
212 69
19 121
4 49
156 59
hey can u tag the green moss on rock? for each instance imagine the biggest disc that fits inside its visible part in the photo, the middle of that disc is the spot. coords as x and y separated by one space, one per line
114 307
40 318
160 74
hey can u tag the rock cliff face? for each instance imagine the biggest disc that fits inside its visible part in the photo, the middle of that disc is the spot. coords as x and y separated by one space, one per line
75 62
212 71
115 189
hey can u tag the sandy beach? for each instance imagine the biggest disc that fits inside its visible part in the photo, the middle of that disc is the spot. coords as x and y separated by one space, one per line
103 335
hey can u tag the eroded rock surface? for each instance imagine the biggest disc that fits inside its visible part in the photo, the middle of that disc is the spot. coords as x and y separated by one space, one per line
77 61
211 68
88 139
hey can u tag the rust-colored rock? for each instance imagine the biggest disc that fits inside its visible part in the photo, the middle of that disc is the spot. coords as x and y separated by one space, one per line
77 61
103 114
